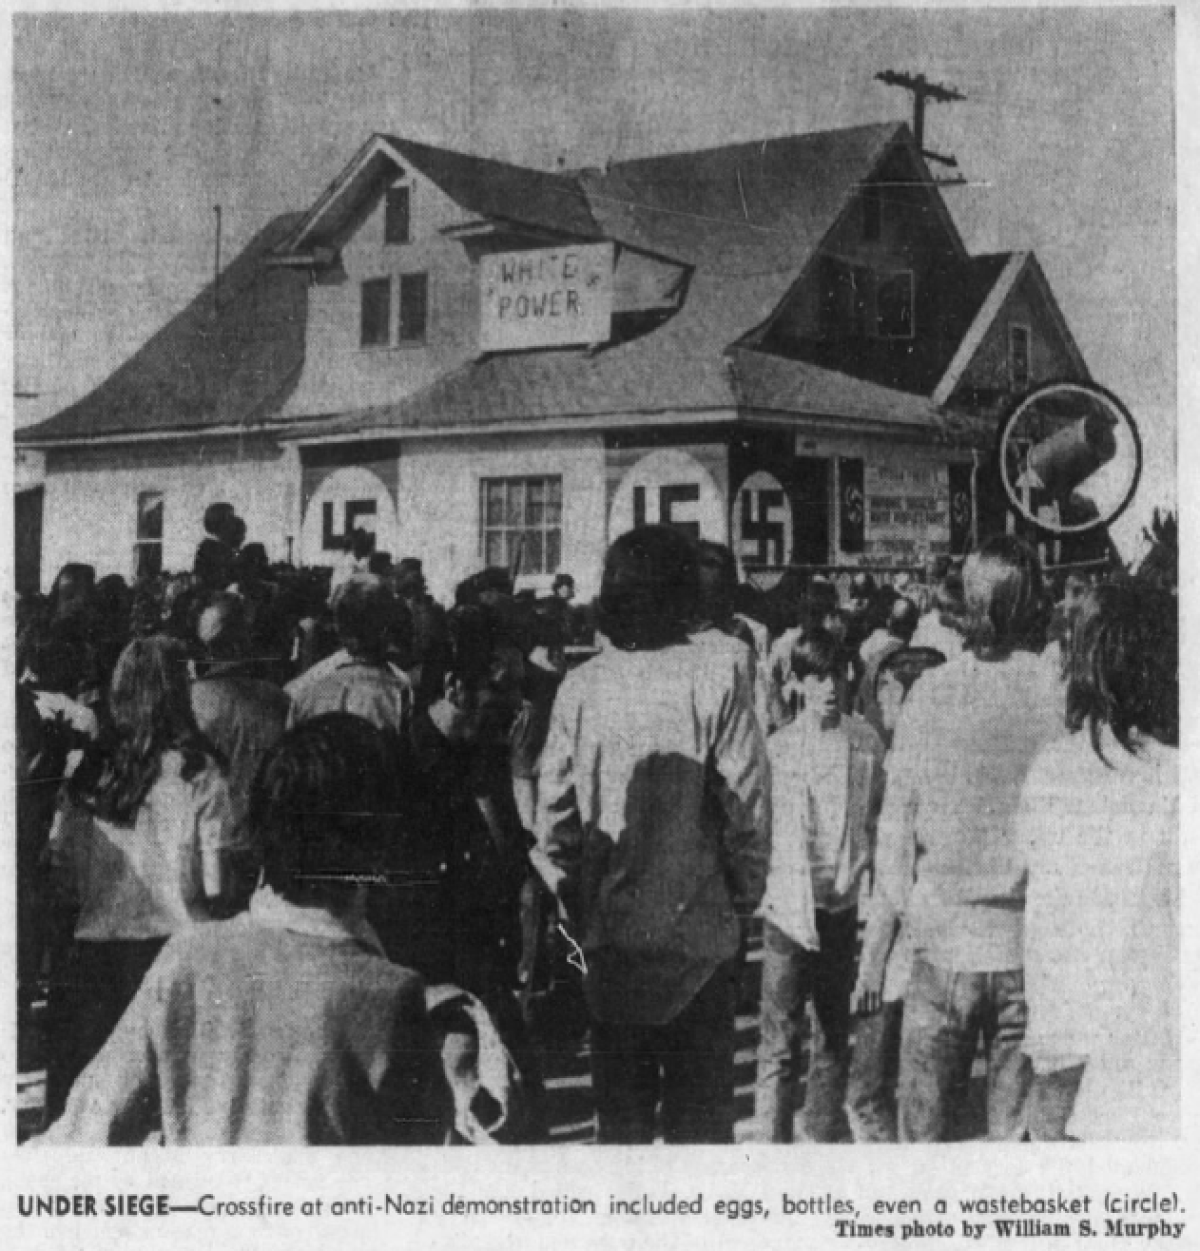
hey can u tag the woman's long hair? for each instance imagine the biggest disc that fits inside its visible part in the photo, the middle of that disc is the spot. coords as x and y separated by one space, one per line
150 712
1005 600
1123 666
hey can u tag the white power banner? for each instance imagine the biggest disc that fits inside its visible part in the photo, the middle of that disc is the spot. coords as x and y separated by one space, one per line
546 297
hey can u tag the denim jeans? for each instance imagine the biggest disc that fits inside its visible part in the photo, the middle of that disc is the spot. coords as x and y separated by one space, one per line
945 1015
791 976
874 1070
685 1068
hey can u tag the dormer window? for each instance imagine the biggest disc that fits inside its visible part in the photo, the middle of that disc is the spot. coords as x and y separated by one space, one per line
397 216
1018 357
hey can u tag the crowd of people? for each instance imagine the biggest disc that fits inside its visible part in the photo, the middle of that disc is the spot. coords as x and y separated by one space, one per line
306 857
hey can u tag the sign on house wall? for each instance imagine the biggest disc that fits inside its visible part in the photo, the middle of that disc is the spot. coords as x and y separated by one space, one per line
762 522
907 512
348 499
672 488
549 297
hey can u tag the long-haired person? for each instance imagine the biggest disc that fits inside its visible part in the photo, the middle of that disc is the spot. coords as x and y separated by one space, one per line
140 846
285 1025
655 817
949 865
1100 818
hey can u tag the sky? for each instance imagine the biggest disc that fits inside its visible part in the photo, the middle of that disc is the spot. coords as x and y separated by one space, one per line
128 128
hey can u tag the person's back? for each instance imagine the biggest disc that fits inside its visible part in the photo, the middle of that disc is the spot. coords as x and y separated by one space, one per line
654 822
949 861
644 729
358 680
262 1034
285 1025
965 742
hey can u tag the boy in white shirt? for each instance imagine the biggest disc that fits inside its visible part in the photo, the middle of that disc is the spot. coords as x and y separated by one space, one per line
827 782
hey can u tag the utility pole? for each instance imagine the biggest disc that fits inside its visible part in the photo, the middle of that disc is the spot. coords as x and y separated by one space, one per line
922 90
217 263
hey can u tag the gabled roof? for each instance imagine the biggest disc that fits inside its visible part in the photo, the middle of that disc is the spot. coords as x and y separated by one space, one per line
996 277
204 369
492 189
746 209
745 220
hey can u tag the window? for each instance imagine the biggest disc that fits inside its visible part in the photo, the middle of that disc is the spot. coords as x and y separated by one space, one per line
376 312
521 523
845 299
872 213
147 550
414 307
894 306
396 223
1018 357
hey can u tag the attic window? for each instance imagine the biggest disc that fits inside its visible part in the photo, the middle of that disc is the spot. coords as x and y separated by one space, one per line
376 320
1018 357
872 213
414 307
894 306
396 216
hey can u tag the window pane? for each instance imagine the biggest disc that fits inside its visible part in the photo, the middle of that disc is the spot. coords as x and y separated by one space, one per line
148 560
553 551
396 216
376 312
535 505
512 547
494 510
533 553
494 549
515 515
414 300
150 515
553 501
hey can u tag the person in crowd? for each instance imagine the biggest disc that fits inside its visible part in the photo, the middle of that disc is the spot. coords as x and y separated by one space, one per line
896 634
1099 819
285 1025
563 587
654 830
717 625
948 861
827 788
862 609
1074 587
142 847
357 548
431 649
358 678
380 564
818 608
942 626
112 605
544 668
216 555
459 863
885 959
241 714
